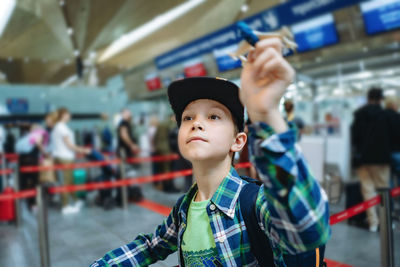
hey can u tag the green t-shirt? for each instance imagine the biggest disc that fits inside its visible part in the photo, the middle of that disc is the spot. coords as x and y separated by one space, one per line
198 245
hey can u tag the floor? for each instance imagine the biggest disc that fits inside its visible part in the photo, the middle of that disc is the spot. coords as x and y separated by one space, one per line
77 240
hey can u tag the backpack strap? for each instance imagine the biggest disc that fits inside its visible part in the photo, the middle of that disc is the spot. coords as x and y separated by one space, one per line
259 242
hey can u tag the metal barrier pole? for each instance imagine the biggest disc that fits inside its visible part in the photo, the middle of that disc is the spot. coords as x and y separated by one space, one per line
42 226
386 231
18 214
124 189
3 166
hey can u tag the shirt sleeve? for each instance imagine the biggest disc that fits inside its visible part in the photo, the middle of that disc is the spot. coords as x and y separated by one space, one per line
145 249
291 207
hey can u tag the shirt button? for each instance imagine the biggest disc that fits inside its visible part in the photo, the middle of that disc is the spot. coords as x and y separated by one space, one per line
212 207
221 239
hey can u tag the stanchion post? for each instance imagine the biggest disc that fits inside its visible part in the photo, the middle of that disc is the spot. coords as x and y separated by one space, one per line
3 166
124 189
18 214
386 231
43 226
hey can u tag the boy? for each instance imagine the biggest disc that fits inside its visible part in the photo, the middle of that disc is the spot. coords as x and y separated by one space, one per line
206 225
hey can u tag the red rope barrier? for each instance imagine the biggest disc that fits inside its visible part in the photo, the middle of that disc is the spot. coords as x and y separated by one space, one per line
153 159
92 164
17 195
120 183
6 171
395 192
334 219
69 166
10 156
344 215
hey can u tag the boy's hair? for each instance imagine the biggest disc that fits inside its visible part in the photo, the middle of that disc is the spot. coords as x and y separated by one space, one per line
184 91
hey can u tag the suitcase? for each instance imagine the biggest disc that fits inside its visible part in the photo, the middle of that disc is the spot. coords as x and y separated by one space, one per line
354 197
80 178
7 207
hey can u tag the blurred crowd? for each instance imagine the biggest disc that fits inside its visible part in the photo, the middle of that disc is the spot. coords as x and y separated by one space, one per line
375 142
55 142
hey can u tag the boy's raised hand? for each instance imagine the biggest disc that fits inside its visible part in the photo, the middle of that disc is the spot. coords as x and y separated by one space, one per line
264 80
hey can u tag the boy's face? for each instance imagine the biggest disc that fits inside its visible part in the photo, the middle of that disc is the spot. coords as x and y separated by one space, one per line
207 131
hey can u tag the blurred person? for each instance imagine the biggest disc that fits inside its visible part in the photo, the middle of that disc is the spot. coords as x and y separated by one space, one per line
31 148
291 116
150 134
63 151
50 120
162 148
370 138
392 107
9 143
48 177
126 147
106 139
332 124
126 141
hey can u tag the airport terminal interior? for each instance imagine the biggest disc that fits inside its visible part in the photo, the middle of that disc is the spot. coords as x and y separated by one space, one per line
89 145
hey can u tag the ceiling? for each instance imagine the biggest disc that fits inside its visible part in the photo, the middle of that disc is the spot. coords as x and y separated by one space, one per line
43 38
38 47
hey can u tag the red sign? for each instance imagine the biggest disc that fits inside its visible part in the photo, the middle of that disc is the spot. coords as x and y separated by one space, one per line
194 70
153 82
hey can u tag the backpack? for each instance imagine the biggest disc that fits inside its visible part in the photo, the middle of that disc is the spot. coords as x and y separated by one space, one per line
23 145
259 242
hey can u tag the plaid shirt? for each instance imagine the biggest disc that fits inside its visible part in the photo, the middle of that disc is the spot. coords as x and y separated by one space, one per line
294 216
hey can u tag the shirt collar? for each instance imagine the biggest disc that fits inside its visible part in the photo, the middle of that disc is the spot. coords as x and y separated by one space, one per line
226 196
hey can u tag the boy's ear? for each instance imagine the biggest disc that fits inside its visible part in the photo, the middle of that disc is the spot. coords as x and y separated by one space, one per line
240 141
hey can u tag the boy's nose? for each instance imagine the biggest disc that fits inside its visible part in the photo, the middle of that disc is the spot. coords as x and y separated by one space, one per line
197 125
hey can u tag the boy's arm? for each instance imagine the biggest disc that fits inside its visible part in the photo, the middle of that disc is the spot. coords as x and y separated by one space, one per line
293 208
146 249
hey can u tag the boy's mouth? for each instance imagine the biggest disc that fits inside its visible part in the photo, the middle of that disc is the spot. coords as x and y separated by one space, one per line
195 138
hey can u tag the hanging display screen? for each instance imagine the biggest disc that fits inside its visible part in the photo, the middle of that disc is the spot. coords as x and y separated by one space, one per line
315 33
381 15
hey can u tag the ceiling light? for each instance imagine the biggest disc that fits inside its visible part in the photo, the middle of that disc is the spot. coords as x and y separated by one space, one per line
70 31
148 28
6 9
244 8
69 81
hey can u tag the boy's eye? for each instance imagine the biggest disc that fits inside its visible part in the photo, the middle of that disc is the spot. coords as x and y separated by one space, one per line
187 118
214 117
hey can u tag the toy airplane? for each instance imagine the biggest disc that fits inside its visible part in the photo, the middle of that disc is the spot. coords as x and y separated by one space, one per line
251 37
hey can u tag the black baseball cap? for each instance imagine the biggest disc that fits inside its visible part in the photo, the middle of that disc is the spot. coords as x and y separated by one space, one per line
184 91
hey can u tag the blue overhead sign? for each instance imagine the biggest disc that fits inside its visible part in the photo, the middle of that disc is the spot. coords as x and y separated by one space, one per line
17 105
271 19
382 15
315 33
224 61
